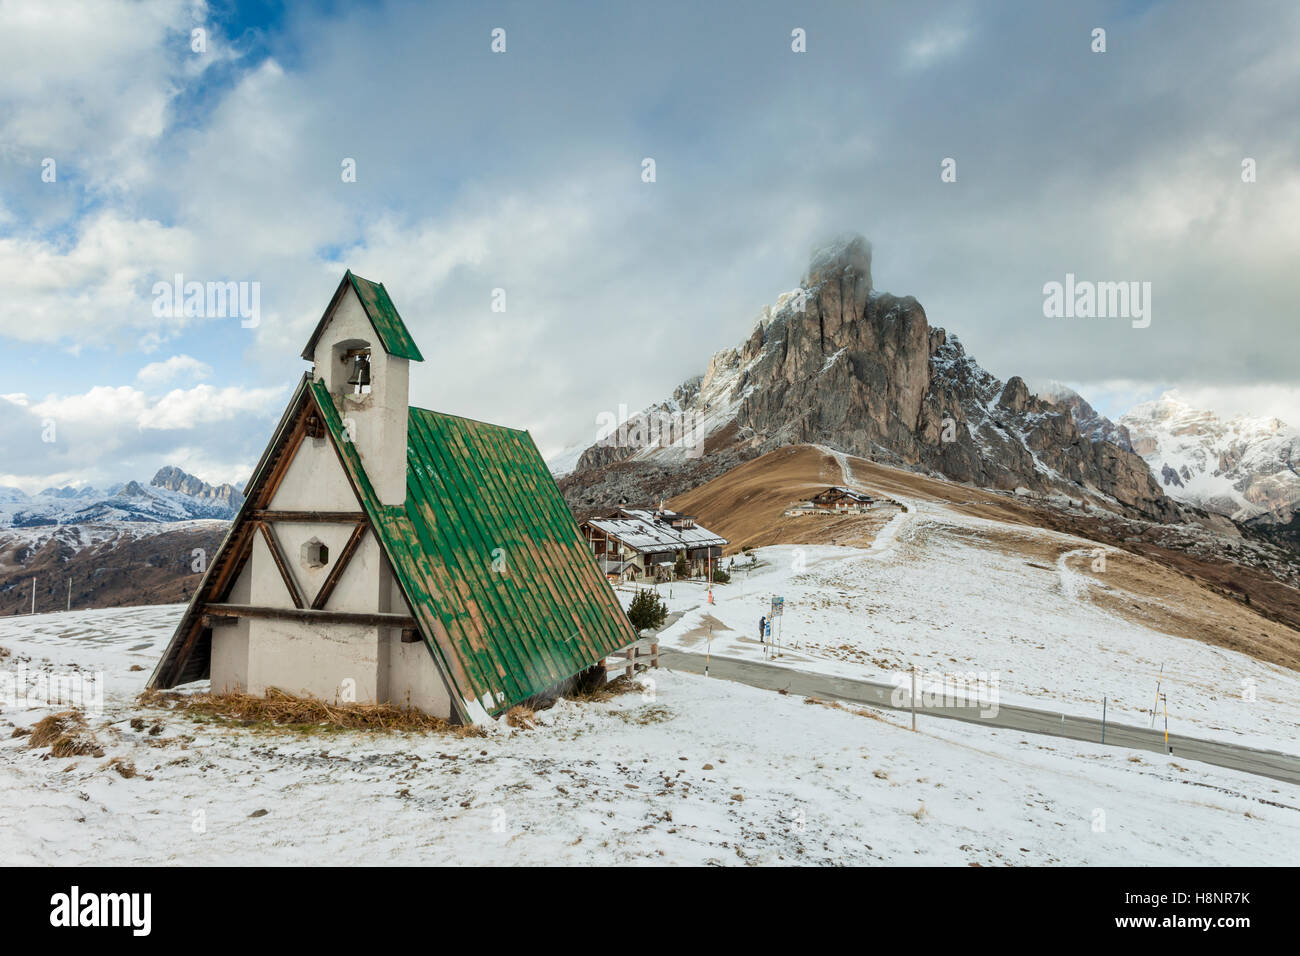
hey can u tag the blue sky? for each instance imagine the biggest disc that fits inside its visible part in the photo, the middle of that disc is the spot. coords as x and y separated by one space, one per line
521 170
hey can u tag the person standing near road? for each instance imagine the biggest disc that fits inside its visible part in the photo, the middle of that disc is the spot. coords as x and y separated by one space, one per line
762 629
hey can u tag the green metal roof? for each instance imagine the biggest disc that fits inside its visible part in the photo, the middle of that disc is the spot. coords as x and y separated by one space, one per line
502 632
392 331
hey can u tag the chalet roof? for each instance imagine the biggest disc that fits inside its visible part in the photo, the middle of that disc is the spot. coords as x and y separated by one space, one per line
841 491
638 530
390 328
499 636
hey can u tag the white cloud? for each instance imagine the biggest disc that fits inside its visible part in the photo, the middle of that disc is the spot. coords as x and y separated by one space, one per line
158 373
94 290
206 405
112 433
532 184
90 82
935 44
1251 401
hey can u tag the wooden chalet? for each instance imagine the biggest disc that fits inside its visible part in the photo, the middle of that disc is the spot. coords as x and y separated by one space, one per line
633 544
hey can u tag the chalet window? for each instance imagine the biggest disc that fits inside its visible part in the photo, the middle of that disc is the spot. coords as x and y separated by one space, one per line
315 554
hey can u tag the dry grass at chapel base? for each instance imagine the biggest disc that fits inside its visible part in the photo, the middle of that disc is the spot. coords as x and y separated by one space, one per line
284 711
278 710
66 734
597 692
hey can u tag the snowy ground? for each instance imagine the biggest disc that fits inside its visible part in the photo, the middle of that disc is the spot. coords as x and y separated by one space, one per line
691 771
930 592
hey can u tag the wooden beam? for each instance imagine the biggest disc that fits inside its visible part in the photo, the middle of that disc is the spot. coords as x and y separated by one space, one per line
283 461
219 620
310 517
340 565
283 566
310 615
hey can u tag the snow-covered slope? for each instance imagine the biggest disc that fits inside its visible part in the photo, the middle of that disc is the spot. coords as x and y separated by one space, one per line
690 770
1245 468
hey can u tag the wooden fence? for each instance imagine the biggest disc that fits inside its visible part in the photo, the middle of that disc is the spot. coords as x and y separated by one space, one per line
644 653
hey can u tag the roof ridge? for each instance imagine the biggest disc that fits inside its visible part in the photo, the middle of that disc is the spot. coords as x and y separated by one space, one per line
466 418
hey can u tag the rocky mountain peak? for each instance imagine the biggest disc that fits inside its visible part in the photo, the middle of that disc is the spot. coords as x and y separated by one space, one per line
848 255
174 479
1092 424
840 364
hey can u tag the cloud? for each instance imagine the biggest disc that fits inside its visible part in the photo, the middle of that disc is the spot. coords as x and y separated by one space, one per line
207 405
937 43
111 433
90 83
94 289
522 172
178 366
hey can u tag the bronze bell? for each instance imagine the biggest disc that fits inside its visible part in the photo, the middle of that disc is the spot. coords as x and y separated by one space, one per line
360 370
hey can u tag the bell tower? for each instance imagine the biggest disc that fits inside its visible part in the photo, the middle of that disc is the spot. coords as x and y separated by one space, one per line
362 351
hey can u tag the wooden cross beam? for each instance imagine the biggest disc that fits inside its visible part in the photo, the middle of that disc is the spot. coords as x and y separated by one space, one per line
340 565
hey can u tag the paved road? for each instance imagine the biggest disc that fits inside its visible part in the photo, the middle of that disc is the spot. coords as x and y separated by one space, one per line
1268 763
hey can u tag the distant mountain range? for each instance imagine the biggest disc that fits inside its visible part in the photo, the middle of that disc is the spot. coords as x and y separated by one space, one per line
1245 468
172 495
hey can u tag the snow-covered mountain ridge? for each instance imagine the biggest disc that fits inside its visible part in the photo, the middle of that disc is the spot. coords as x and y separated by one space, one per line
1243 467
173 495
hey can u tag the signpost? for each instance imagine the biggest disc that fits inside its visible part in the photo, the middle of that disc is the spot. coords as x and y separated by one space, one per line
1159 678
778 612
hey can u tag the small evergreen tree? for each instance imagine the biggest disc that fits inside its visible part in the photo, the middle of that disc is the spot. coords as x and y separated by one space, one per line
647 610
721 577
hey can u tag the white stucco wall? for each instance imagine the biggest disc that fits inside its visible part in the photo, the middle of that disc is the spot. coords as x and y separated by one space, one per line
229 665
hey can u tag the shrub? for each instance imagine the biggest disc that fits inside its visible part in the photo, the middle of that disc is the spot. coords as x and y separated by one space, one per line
647 610
720 576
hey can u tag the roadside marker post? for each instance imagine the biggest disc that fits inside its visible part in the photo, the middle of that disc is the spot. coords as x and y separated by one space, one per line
1159 678
914 696
1103 720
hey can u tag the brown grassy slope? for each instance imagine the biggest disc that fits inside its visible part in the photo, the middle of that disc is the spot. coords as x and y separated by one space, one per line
746 505
1161 588
156 569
